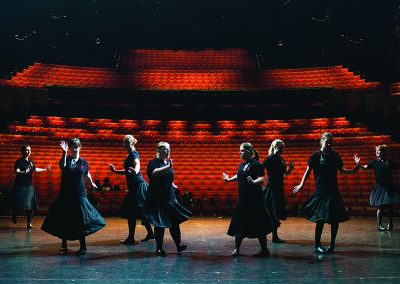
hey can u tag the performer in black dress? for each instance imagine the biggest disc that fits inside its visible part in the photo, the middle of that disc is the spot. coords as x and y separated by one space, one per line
133 203
274 193
23 195
325 205
385 194
162 208
72 217
250 218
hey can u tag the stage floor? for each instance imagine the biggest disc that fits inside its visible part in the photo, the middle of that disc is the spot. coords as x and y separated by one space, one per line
363 255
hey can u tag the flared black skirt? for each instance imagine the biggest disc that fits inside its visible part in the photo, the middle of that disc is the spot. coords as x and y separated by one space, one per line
165 214
250 220
72 218
275 199
382 195
23 198
325 207
133 203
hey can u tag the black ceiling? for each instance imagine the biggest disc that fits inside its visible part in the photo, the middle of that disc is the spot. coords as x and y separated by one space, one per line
89 32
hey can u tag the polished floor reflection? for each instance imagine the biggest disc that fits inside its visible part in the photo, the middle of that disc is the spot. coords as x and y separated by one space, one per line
363 255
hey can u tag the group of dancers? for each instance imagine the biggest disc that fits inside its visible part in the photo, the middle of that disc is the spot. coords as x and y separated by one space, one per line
257 213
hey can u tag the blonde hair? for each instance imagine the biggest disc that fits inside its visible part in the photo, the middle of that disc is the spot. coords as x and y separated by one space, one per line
325 136
382 148
129 138
248 147
274 143
162 145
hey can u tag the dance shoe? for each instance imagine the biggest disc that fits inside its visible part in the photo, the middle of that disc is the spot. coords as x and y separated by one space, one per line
235 252
160 252
262 253
181 247
320 250
381 228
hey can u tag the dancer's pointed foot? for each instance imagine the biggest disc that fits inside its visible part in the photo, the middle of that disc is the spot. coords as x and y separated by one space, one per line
29 226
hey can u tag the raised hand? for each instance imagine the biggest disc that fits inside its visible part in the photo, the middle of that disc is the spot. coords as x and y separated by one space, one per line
64 146
297 188
357 159
225 177
94 185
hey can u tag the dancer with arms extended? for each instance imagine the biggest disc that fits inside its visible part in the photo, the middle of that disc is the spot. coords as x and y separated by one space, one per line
72 217
384 195
250 218
325 205
23 195
133 203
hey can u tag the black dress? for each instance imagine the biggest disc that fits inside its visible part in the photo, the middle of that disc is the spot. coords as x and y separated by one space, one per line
162 209
384 191
250 218
325 204
23 195
137 190
71 216
274 193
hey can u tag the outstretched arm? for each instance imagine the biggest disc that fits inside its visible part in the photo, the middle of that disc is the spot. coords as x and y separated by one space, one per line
229 179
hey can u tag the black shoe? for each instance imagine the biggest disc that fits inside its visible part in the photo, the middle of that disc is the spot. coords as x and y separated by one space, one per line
381 228
181 247
389 227
278 241
14 218
29 226
160 252
320 249
148 238
235 252
330 250
63 251
129 241
262 253
81 252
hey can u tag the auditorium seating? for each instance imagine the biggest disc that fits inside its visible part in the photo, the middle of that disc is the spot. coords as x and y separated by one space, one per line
167 70
201 150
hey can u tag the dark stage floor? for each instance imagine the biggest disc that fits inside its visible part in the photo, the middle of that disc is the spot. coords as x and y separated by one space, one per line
363 255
